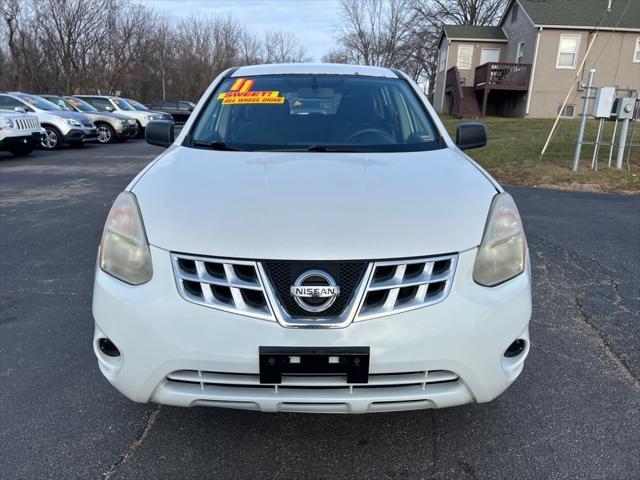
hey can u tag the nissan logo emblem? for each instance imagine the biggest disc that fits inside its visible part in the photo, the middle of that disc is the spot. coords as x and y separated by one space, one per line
315 291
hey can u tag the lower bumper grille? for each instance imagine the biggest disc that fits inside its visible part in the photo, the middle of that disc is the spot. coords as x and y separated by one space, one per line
320 382
314 394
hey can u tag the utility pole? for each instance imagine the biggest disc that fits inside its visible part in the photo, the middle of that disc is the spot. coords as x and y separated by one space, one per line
583 121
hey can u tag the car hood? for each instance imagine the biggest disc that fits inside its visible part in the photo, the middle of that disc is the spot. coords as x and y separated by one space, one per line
80 117
314 206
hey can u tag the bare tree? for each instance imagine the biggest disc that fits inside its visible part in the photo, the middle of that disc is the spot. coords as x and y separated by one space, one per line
376 32
282 47
121 47
460 12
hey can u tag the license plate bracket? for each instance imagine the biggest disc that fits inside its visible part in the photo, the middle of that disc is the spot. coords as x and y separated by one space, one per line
274 361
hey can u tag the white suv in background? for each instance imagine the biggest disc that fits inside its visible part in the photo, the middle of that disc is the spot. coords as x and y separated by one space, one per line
313 241
60 127
19 132
106 103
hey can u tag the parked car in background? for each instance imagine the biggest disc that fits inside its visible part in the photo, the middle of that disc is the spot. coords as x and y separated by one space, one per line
111 127
179 110
143 108
60 127
111 104
20 133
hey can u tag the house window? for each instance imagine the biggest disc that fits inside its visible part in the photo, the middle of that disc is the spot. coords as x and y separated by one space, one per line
489 55
569 110
514 13
636 54
568 51
465 57
520 53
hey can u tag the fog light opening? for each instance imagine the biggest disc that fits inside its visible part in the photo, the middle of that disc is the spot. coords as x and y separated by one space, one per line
108 348
515 349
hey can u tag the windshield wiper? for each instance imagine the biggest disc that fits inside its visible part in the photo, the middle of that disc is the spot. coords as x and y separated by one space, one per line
214 145
325 148
318 148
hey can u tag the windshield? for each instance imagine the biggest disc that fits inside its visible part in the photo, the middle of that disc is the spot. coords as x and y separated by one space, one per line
136 105
38 102
122 105
80 104
315 112
62 103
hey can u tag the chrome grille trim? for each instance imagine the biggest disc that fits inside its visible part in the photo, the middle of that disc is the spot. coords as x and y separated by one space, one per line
431 271
26 123
198 285
409 285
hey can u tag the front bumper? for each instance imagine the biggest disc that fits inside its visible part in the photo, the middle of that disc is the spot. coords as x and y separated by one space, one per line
166 342
133 131
80 135
18 141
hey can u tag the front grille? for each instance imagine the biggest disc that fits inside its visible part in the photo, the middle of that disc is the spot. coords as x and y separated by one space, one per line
27 124
263 289
282 276
398 286
311 382
230 285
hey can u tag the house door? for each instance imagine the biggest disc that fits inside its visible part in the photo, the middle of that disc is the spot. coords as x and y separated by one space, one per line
489 55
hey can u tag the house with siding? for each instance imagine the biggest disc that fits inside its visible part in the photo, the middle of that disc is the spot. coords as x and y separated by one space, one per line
526 65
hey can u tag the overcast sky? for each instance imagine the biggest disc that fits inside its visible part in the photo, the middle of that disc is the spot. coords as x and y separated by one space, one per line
313 21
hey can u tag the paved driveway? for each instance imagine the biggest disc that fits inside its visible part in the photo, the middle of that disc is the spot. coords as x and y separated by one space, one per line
574 412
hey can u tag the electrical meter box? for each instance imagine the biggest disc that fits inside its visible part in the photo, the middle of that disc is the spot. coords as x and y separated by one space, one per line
603 105
623 108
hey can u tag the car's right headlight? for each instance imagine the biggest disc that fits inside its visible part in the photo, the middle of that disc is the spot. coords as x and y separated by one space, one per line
124 249
502 253
73 122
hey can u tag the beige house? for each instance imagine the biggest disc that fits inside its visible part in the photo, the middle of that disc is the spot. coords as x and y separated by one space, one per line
526 65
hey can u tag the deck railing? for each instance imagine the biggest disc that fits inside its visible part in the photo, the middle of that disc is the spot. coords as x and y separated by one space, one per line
508 76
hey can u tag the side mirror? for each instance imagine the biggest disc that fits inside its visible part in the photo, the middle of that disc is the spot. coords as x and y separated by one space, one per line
20 109
109 108
160 133
471 135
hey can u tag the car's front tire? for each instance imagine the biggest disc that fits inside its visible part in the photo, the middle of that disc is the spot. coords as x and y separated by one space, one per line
52 138
106 133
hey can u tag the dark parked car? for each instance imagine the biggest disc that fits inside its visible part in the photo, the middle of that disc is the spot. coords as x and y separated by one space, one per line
179 110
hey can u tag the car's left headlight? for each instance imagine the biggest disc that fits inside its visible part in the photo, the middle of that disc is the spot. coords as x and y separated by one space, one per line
502 253
73 122
6 123
124 249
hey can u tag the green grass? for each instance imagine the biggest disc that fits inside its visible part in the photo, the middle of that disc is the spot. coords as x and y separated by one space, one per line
514 146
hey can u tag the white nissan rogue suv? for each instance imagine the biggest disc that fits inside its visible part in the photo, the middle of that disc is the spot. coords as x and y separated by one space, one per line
313 241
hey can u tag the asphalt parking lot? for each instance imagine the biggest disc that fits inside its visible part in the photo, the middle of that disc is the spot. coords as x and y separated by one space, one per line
573 413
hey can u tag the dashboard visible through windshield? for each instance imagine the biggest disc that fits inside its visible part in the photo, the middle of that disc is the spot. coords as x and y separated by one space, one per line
315 113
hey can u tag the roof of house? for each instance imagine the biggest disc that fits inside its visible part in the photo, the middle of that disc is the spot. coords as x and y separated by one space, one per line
474 32
624 14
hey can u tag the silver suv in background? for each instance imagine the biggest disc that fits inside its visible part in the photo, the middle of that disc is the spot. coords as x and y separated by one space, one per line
19 132
60 127
106 103
111 127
